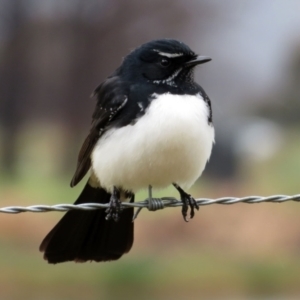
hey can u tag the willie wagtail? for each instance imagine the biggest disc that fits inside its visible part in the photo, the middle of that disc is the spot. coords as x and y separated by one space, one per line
152 126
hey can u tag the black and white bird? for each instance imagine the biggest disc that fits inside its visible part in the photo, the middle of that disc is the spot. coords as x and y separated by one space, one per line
152 126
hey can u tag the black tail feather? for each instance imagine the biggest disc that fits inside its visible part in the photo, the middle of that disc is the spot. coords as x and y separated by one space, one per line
87 235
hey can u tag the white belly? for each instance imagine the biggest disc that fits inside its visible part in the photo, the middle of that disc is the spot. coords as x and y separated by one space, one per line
170 143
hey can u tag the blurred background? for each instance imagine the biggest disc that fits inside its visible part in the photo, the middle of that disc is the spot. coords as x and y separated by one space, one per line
53 53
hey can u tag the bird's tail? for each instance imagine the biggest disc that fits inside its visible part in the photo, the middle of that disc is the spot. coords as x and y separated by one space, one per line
85 235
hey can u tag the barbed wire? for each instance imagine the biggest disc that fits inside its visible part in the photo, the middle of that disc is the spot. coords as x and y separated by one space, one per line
152 204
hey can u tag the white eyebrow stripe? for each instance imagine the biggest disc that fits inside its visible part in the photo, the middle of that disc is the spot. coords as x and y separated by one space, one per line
170 55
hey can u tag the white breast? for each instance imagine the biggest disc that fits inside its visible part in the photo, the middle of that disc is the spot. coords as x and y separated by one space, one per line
170 143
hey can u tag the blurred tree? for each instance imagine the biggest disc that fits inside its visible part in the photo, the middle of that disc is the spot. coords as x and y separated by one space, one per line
12 85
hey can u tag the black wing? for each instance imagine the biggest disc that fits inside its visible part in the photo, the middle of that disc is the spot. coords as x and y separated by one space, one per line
112 96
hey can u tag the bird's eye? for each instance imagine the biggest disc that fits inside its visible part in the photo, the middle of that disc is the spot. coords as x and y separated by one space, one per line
165 62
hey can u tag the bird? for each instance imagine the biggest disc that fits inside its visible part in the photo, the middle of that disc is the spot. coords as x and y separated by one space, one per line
151 127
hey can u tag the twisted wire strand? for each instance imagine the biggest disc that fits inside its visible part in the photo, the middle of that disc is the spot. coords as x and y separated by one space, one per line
151 204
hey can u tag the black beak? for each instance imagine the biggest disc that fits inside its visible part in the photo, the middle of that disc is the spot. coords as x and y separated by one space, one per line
197 61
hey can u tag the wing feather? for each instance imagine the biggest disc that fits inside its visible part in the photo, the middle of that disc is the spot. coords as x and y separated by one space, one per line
112 96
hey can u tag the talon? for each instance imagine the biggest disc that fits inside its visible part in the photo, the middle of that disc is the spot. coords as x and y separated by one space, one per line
187 201
114 209
184 211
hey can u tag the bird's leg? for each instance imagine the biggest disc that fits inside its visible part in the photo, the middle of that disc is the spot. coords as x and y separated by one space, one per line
187 201
150 193
113 212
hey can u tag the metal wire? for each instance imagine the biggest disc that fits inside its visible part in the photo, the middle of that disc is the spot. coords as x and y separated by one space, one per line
151 204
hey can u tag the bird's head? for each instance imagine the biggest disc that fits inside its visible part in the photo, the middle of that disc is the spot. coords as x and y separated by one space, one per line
163 62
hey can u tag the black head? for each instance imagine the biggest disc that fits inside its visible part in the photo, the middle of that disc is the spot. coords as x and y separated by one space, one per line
163 62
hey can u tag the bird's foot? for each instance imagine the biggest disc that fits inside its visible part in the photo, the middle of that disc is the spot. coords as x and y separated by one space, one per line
187 201
114 209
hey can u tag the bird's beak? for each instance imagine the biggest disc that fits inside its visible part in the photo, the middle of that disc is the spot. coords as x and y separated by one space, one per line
197 61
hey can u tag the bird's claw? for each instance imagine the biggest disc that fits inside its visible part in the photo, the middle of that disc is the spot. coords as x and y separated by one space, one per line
114 209
187 201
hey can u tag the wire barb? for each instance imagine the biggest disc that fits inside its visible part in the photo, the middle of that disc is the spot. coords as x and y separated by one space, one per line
157 203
